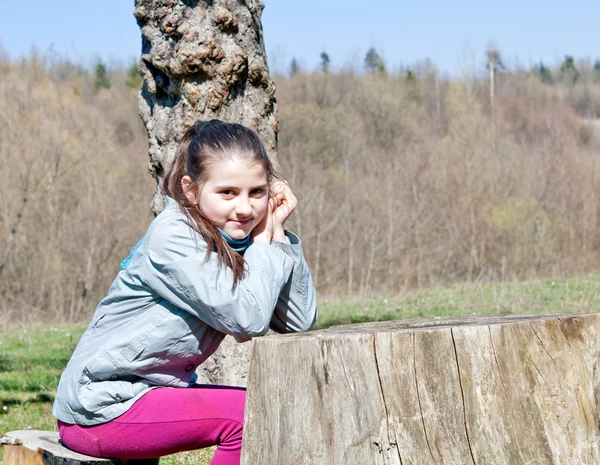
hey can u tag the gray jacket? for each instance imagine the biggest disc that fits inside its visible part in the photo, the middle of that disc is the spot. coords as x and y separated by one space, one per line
169 310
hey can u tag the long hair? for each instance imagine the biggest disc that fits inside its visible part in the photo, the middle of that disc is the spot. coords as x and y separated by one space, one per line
202 145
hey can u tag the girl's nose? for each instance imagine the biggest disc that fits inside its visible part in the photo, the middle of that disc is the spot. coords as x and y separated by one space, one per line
243 206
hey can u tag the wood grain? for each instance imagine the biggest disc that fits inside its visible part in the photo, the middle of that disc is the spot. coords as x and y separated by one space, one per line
485 390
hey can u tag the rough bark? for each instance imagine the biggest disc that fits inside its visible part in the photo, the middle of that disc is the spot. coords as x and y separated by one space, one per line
486 390
228 365
204 59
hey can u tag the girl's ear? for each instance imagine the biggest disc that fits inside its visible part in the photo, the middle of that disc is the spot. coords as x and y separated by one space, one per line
190 194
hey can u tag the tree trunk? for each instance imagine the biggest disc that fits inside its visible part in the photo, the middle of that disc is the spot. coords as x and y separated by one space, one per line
487 390
204 59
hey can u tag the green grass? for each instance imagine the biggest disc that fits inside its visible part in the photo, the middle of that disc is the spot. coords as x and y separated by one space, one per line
32 358
31 361
576 295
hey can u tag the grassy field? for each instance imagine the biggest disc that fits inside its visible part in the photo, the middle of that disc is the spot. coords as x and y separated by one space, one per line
575 295
32 358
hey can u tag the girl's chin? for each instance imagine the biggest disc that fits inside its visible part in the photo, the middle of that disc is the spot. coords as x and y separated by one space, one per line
239 236
237 233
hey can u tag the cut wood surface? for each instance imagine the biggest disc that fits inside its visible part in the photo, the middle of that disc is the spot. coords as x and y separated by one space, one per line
472 390
33 447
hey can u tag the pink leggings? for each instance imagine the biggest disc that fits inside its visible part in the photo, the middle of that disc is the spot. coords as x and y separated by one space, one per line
168 420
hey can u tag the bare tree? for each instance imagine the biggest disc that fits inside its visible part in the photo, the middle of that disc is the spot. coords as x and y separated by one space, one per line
426 191
493 57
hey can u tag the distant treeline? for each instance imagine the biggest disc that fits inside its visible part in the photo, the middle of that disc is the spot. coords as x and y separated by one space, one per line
404 179
74 190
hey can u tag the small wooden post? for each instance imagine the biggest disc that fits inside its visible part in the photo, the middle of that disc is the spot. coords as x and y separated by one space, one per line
499 390
31 447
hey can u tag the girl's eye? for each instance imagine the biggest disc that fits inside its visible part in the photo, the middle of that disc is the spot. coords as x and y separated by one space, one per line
227 193
258 192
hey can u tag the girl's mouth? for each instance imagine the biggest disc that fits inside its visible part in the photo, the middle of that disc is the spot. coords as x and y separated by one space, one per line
240 222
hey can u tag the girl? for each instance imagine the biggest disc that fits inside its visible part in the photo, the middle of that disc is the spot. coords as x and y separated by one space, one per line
216 261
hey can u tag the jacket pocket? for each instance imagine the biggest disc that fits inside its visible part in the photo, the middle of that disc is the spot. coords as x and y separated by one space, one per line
133 350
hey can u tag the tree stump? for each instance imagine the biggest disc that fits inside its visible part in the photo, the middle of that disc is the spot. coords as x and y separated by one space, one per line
480 390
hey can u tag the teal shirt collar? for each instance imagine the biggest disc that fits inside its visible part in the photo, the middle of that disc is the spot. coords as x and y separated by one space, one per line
239 245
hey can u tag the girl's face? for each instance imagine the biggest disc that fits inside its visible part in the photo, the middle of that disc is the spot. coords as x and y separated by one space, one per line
235 196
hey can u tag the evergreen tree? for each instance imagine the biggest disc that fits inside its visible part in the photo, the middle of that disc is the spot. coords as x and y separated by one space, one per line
373 62
545 74
325 62
596 71
294 67
101 80
134 79
568 70
412 85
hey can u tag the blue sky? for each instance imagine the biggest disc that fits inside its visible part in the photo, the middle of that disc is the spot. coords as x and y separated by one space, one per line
452 34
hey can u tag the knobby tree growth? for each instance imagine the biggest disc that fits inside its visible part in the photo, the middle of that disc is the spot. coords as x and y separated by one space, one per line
202 59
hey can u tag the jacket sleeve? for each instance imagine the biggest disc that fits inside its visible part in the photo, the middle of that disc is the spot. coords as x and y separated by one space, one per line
175 267
296 308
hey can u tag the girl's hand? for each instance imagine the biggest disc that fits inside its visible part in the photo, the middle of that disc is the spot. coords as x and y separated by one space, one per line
264 230
284 204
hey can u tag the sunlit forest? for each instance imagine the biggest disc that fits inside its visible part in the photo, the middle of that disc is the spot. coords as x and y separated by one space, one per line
406 179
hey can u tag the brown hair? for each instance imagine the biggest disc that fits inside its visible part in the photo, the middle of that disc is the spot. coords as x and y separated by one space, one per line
203 144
